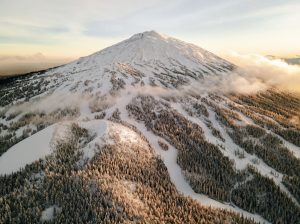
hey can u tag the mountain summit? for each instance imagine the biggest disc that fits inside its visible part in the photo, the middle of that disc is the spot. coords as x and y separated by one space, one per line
153 47
156 49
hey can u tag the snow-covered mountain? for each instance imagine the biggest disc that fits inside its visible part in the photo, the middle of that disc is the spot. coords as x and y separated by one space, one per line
112 137
153 49
147 58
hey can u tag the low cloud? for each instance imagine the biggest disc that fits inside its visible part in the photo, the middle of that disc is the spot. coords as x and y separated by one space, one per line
268 72
254 73
234 82
49 103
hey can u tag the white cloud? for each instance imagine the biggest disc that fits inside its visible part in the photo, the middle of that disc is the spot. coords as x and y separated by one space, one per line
262 72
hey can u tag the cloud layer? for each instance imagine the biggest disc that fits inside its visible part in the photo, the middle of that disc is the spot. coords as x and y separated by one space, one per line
261 71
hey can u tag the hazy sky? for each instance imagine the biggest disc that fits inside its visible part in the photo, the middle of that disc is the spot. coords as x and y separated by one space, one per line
54 29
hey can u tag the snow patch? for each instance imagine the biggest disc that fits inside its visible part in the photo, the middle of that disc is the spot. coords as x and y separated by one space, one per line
49 213
98 128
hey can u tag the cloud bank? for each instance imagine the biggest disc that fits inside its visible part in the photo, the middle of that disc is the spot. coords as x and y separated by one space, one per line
254 73
261 71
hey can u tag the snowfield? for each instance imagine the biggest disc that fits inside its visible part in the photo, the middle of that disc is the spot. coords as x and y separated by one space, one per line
33 148
41 144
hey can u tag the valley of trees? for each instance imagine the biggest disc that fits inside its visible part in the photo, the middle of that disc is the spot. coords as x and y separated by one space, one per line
260 195
200 160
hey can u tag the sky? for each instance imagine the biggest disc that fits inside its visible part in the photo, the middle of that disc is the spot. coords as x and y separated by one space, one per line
48 32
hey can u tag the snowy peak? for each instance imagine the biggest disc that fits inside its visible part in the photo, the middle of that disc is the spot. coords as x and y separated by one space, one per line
149 34
156 49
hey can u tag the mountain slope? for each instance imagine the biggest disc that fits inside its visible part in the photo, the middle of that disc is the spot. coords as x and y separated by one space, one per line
127 133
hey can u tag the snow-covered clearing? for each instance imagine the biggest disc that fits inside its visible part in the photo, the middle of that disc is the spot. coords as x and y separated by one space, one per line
27 151
41 144
49 213
98 129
